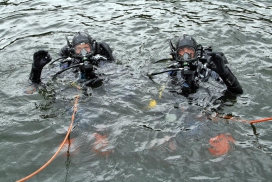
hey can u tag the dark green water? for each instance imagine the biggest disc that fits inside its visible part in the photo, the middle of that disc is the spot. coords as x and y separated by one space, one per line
33 126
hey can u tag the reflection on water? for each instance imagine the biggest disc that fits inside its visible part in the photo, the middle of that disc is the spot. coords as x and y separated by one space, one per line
168 141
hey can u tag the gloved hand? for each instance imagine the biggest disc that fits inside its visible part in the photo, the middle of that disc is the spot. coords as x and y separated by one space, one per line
217 62
40 59
105 50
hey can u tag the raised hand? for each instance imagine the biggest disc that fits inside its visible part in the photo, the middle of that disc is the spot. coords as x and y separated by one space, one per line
40 59
217 62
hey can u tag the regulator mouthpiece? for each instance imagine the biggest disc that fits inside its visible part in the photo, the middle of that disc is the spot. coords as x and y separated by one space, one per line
83 52
186 56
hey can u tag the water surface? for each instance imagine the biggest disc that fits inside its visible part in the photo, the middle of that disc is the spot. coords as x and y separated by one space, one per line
166 143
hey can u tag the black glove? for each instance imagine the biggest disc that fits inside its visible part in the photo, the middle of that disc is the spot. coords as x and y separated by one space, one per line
40 59
105 50
216 62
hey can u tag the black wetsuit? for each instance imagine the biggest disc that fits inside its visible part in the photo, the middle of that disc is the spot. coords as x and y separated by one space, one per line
85 74
203 86
193 74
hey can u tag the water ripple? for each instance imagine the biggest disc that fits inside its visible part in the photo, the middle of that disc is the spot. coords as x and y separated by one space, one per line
168 142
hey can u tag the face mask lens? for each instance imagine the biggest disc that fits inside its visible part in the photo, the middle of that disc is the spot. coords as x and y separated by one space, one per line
83 49
186 53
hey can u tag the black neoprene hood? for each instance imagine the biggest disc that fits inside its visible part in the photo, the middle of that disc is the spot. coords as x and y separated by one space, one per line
186 41
81 37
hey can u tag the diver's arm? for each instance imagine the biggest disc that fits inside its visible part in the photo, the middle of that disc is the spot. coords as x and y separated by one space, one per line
35 75
40 59
231 82
217 63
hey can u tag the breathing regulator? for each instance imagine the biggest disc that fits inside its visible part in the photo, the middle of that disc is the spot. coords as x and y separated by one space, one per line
82 52
190 60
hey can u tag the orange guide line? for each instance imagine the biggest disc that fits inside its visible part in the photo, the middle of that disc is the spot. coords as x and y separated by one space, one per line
54 156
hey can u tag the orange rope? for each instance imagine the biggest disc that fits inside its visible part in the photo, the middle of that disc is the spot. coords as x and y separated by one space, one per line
260 120
53 157
245 121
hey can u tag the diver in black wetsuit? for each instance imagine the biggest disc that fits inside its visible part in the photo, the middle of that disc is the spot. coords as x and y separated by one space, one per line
83 55
194 64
